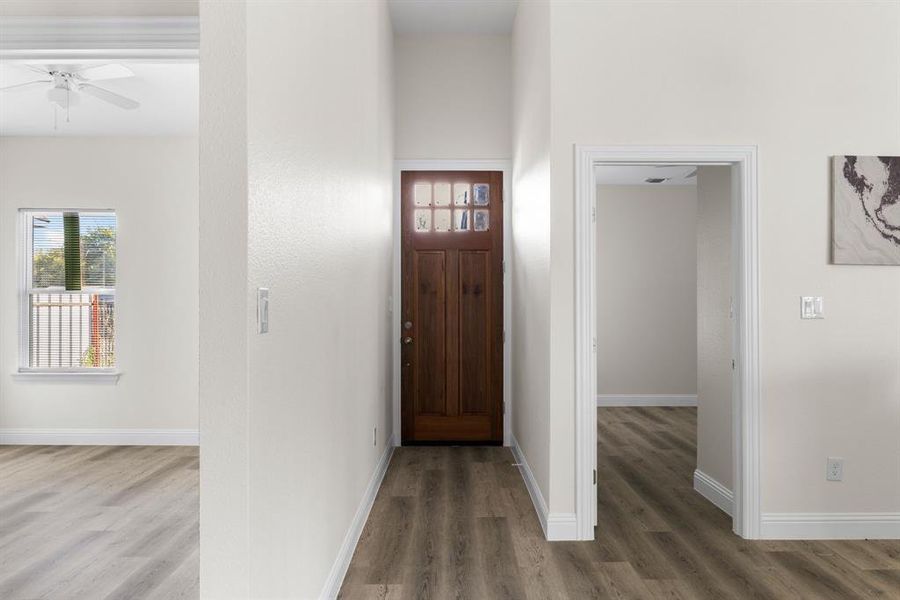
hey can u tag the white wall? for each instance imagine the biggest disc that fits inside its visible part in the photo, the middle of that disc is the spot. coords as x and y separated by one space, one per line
768 74
714 324
225 304
452 96
318 227
152 185
646 289
530 233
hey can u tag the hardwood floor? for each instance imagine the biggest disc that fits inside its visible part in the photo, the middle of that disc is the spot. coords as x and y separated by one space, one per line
86 523
458 523
98 522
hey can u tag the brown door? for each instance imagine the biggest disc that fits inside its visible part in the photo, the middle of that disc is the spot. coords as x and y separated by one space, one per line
452 317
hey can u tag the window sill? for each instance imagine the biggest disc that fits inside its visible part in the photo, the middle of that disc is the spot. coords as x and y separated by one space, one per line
104 378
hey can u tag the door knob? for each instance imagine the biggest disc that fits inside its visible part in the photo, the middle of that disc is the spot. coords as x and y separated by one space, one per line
407 340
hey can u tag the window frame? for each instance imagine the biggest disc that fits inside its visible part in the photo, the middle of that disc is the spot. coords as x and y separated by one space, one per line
25 289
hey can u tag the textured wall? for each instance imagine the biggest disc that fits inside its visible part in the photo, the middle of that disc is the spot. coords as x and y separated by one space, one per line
698 73
156 293
316 212
452 96
646 289
714 324
530 233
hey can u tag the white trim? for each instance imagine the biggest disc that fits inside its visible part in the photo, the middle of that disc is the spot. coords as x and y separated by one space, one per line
339 568
531 484
100 437
646 399
60 39
714 491
50 376
505 166
745 424
24 259
585 346
561 527
24 248
556 526
830 526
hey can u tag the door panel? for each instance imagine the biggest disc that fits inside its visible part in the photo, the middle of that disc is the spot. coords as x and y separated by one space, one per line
429 311
474 332
452 314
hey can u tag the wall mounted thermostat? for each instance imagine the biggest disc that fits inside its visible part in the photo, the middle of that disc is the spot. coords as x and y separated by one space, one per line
812 307
262 310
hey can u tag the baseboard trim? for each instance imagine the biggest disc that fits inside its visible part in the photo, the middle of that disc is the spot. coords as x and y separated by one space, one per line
348 547
714 491
647 400
537 498
562 527
100 437
556 526
830 526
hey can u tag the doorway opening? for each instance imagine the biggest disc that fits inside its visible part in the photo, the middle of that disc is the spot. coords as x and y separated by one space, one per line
738 192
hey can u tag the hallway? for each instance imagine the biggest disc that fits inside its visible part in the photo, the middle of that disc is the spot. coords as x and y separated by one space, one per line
458 522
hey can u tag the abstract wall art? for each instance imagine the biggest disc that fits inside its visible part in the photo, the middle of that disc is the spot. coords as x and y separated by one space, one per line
866 210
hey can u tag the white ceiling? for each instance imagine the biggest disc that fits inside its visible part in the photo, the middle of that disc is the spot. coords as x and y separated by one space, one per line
168 92
452 16
639 174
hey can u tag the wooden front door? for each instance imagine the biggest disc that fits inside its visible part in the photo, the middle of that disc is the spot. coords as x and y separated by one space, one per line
452 318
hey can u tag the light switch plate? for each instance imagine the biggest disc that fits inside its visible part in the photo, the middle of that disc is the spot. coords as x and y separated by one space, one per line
262 310
812 307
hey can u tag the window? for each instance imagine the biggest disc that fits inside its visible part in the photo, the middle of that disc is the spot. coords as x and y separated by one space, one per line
68 295
430 200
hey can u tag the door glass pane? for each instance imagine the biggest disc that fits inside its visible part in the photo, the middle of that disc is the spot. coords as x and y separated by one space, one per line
422 194
442 219
482 194
461 194
423 220
482 220
442 194
461 220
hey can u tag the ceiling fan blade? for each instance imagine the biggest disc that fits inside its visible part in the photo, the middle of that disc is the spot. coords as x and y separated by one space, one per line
42 69
19 87
103 72
108 96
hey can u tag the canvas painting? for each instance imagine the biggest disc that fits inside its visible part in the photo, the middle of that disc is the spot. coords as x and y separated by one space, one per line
866 197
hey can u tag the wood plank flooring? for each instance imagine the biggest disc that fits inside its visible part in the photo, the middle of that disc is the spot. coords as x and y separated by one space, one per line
458 523
98 522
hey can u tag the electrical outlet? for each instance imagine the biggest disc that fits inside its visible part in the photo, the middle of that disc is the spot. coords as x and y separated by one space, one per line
835 469
375 435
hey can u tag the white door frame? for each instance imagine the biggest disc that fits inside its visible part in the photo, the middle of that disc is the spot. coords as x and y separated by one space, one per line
745 415
505 167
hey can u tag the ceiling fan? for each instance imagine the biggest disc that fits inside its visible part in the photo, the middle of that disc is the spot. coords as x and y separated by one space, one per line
66 82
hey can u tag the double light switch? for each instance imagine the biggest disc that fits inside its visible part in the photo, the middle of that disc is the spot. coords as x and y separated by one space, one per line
812 307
